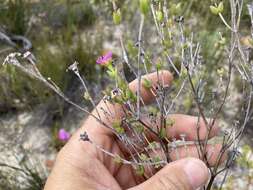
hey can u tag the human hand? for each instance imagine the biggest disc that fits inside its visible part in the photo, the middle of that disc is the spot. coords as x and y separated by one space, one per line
80 165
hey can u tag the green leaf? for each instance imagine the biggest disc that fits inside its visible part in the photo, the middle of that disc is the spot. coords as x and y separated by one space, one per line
153 111
147 83
152 145
162 133
120 130
130 95
140 170
117 159
159 16
157 159
118 100
122 84
159 66
117 17
138 127
170 122
185 45
112 72
116 124
143 157
220 72
168 43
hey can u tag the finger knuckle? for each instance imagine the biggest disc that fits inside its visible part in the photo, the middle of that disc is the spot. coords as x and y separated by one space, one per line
171 182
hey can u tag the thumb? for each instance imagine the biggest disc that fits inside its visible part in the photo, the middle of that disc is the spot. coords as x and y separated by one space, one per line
185 174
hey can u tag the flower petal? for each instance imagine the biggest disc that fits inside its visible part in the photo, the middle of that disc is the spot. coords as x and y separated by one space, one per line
63 135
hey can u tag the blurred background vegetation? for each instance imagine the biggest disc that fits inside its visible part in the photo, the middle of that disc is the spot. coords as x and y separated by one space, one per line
59 32
64 31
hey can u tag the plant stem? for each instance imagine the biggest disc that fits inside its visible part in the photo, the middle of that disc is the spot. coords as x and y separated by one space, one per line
139 68
225 22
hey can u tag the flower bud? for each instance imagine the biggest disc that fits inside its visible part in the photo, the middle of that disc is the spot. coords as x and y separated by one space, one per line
117 17
220 72
222 41
214 10
175 8
144 6
221 7
159 16
217 9
147 83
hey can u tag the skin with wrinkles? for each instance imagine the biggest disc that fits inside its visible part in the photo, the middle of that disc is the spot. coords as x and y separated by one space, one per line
80 166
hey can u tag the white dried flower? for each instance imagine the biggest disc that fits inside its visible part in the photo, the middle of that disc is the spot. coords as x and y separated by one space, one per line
74 67
27 54
11 58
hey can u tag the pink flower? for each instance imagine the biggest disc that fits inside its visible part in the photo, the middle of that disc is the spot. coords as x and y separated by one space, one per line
63 135
105 59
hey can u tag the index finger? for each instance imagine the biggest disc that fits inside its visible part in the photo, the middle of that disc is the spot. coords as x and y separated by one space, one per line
163 78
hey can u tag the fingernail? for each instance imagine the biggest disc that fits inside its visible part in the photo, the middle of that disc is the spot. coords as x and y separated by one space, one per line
196 172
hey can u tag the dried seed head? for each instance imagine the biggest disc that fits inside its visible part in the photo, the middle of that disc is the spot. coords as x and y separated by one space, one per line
84 137
74 67
11 58
30 57
115 92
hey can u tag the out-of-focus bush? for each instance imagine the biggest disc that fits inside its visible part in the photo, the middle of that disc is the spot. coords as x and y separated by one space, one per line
55 27
59 33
